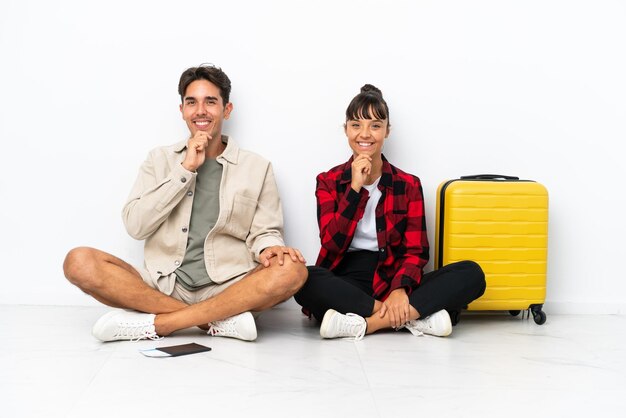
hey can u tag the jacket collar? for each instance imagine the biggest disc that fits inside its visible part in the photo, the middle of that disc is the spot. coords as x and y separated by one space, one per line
230 154
385 178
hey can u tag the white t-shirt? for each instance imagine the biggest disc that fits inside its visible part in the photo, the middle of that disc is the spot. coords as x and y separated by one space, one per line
365 234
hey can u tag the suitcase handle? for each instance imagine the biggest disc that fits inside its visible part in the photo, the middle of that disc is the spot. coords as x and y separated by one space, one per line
489 177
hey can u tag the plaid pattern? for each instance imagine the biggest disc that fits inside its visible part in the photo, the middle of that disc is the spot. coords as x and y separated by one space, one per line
400 225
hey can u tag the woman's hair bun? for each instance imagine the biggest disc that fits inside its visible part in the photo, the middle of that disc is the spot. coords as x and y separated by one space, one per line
368 88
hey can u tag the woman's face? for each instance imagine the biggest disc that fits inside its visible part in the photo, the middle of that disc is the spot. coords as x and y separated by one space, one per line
367 136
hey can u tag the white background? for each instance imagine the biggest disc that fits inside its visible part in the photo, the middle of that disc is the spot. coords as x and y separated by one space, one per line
528 88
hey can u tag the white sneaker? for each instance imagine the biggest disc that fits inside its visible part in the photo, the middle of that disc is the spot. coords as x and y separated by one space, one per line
240 326
121 324
438 324
336 325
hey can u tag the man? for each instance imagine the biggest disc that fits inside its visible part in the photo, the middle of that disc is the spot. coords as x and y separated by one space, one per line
211 218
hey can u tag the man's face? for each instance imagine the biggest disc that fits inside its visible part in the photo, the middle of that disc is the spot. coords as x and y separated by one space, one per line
203 108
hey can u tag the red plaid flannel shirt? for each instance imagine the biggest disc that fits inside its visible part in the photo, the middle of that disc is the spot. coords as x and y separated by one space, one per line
400 225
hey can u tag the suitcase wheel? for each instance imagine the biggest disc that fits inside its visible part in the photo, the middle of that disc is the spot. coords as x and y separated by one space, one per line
514 313
539 317
538 314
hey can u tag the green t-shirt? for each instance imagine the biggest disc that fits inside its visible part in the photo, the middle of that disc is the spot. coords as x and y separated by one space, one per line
192 273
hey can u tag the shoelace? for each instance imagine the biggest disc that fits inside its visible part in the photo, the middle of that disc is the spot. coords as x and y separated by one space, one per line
226 327
137 331
147 336
353 325
413 327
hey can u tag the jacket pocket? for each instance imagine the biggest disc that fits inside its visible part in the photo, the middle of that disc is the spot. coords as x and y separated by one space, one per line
241 216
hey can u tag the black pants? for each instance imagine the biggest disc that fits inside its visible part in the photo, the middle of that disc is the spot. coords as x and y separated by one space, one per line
349 287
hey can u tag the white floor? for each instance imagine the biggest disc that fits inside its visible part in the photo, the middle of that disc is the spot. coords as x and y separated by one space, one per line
493 365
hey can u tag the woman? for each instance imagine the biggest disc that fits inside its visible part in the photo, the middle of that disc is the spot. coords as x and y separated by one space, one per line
374 245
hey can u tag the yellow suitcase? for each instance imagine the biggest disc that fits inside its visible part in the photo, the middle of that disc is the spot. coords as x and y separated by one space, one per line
500 222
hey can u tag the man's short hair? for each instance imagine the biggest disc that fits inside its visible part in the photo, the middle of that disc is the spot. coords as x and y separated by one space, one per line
208 72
